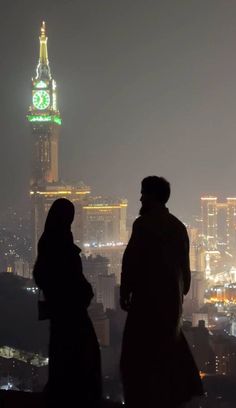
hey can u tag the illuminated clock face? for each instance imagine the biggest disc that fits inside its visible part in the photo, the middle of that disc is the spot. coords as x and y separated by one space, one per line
41 99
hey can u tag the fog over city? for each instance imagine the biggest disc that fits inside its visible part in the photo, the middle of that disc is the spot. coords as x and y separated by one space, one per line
143 88
96 96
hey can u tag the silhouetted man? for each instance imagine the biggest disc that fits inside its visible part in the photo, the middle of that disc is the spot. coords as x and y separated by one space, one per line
156 364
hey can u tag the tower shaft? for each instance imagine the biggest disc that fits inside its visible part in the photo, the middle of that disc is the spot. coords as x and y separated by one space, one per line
45 154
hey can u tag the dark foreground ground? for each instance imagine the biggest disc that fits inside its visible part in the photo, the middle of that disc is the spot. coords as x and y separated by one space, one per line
17 399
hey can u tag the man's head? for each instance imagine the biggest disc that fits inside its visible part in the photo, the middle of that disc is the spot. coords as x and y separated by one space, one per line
155 191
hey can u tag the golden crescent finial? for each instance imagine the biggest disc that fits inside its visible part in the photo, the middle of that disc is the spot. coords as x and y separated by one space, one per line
43 29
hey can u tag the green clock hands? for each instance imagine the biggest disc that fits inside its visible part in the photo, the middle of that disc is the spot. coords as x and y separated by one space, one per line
41 99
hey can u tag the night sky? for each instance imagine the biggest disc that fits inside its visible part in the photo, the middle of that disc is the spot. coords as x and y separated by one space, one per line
145 87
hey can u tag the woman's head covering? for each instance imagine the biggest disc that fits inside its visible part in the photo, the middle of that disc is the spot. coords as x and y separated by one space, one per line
60 216
57 230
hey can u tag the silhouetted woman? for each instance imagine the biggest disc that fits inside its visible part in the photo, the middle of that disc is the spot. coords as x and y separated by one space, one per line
74 356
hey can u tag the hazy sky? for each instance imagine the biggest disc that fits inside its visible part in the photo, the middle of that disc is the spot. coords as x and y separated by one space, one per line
145 87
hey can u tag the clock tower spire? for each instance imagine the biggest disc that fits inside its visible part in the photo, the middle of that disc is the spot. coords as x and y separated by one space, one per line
45 119
43 54
43 68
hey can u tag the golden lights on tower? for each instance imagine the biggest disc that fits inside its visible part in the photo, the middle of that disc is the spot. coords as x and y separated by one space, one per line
43 54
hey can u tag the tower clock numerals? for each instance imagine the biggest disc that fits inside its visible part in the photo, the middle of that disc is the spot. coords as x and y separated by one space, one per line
41 99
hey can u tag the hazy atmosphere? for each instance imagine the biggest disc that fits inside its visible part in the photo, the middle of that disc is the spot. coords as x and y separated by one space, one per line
144 87
105 308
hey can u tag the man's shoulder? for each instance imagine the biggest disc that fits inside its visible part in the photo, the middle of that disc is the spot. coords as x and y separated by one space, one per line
143 221
138 223
177 223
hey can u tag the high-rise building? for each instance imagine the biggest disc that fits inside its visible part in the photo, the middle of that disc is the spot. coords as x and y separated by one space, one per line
209 221
104 221
106 291
219 223
42 199
96 220
112 252
193 234
22 269
231 225
93 267
45 119
218 233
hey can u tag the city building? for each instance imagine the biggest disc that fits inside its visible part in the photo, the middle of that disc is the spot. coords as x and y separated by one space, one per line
95 269
42 199
209 222
194 299
197 250
224 347
199 320
218 236
106 291
231 225
112 252
22 269
219 223
104 222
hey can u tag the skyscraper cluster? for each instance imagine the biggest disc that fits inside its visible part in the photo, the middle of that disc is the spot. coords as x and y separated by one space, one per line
213 259
213 239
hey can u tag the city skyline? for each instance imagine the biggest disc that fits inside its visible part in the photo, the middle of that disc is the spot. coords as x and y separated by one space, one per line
112 92
127 110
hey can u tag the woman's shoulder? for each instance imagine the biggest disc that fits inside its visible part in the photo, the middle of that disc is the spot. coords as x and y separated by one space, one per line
76 249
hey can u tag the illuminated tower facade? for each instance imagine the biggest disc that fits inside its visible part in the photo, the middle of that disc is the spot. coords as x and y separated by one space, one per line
45 120
231 225
212 213
104 222
209 221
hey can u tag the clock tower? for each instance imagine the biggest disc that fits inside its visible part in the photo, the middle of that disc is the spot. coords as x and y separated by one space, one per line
45 123
45 120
